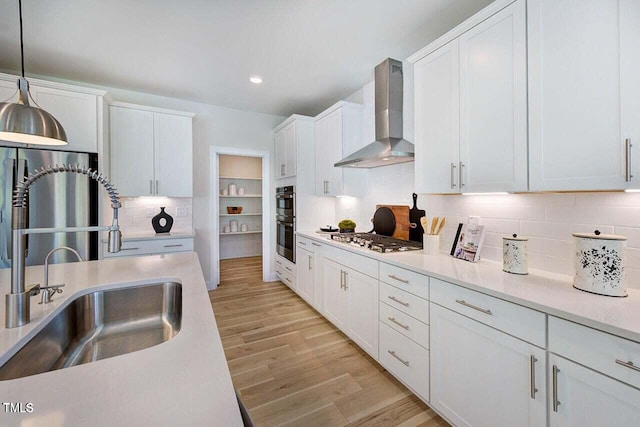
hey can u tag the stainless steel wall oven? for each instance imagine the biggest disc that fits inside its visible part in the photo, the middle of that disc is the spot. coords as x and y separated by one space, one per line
286 222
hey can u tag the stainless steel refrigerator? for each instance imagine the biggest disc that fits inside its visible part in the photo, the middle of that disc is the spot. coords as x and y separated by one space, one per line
56 200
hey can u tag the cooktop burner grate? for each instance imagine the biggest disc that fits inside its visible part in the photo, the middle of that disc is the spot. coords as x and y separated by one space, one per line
377 242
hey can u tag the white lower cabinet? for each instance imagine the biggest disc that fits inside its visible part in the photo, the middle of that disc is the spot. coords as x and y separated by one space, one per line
305 273
405 359
483 377
585 398
286 272
350 301
151 246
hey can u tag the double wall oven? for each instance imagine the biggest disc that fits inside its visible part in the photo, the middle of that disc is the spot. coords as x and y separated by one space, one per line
286 222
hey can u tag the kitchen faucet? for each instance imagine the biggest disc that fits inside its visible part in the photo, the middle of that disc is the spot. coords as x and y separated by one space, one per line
49 291
17 303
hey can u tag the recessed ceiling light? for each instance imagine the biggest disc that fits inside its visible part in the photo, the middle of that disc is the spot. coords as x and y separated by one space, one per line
255 79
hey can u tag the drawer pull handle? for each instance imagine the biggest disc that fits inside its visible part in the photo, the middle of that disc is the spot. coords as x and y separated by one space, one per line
392 298
279 272
302 243
287 268
393 353
278 262
316 244
172 246
532 373
628 364
554 387
475 307
394 277
129 249
287 279
393 319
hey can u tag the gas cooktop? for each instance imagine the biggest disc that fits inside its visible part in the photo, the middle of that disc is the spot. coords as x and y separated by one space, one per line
377 242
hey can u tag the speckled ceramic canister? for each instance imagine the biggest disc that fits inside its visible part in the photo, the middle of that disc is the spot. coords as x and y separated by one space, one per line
599 263
514 254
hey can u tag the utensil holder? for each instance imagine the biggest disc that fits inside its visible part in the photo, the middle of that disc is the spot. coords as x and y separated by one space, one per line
431 244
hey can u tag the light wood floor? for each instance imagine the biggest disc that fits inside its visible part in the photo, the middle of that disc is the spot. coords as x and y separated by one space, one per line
292 367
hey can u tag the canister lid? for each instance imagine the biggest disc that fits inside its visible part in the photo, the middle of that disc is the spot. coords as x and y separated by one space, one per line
515 237
597 235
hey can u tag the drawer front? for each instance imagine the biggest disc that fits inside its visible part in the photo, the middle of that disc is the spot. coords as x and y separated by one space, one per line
407 280
286 277
405 302
521 322
406 360
170 245
304 243
405 324
285 265
353 261
612 355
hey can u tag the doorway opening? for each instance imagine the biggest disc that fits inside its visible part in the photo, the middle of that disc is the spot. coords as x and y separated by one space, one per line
241 203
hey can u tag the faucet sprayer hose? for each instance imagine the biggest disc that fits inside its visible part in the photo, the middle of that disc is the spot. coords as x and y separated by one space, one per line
22 188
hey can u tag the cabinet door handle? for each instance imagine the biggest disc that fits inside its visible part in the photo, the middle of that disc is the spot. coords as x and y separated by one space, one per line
392 298
394 277
393 353
453 174
341 279
282 170
309 263
475 307
532 375
172 246
628 146
150 186
393 319
157 186
628 364
326 187
554 387
346 281
461 172
316 244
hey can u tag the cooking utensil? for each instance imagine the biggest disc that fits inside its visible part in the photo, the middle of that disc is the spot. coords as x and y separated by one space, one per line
384 222
416 231
424 221
401 215
329 229
434 224
441 224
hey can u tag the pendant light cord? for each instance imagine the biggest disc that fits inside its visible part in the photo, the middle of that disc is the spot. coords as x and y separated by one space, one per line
21 42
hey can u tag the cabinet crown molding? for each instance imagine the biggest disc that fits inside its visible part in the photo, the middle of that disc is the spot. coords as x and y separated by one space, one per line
152 109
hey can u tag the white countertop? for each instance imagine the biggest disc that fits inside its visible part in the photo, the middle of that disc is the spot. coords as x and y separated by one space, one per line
550 293
184 381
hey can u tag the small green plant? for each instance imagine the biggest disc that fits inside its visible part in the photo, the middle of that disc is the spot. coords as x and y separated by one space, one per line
347 224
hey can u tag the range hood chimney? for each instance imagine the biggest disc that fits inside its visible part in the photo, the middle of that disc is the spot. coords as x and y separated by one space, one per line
389 148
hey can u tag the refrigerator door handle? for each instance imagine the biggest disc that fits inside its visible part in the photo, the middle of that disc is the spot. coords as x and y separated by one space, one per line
5 220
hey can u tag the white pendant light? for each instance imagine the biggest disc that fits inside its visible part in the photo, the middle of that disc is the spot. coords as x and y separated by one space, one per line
23 123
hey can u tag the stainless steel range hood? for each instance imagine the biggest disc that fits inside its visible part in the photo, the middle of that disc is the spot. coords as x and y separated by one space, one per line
389 148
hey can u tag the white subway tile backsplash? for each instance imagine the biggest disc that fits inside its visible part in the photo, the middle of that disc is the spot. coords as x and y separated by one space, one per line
632 235
133 213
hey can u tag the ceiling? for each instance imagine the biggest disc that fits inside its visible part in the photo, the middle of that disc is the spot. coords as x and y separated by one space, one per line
310 53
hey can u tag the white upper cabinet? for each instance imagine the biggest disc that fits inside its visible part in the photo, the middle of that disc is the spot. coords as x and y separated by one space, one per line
77 113
174 154
493 103
337 129
437 120
151 151
471 107
583 93
78 109
286 149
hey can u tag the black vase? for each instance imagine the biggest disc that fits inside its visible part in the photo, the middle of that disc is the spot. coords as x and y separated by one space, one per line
162 222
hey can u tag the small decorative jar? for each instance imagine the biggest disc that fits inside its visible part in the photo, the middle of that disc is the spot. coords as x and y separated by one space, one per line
233 189
599 263
514 254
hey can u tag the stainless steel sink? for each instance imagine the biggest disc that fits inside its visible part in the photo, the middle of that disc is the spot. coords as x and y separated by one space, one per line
100 325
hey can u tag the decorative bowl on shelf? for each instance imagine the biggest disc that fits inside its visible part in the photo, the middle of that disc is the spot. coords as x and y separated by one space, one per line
234 209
